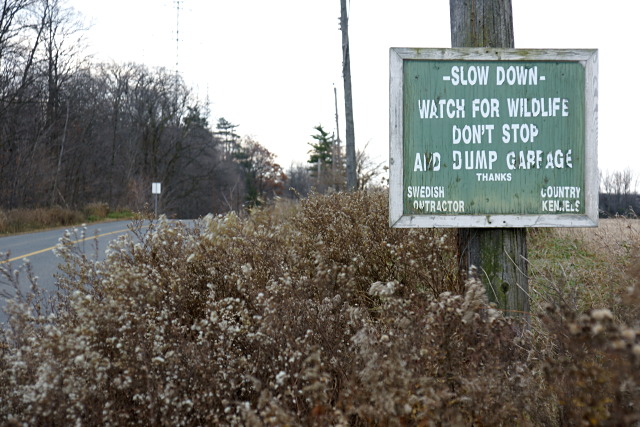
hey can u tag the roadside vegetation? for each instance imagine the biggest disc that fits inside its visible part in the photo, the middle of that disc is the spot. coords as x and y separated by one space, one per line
25 220
317 313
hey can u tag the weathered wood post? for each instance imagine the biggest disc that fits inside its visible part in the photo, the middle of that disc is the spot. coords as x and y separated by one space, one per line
500 254
350 145
489 140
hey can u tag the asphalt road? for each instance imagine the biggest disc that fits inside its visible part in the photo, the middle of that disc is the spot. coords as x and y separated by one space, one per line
38 249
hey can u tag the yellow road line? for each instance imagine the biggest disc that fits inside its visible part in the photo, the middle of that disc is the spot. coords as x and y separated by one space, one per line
53 247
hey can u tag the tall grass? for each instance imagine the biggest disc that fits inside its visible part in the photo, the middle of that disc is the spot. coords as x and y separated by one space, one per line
588 268
20 220
310 314
24 220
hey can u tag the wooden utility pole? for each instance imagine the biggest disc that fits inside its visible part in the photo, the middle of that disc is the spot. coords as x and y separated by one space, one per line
336 152
499 254
350 144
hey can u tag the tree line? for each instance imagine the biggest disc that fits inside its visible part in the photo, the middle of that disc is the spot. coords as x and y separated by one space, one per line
618 194
73 132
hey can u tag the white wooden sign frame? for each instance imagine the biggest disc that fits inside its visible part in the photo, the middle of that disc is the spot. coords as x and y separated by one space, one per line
587 57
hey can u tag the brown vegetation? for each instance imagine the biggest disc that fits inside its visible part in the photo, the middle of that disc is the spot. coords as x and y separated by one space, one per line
318 313
19 220
26 220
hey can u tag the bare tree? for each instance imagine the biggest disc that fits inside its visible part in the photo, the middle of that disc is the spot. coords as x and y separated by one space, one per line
298 181
29 59
61 46
617 193
264 177
367 169
74 132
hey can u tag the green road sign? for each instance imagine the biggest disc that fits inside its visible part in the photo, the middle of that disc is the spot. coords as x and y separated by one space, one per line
493 138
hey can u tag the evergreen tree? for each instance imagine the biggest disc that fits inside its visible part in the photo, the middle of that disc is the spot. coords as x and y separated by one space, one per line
322 150
226 131
326 160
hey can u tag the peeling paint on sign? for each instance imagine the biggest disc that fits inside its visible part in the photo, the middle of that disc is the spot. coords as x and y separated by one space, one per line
483 136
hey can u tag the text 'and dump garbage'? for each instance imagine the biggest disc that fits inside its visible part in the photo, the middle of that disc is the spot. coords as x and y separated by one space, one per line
492 136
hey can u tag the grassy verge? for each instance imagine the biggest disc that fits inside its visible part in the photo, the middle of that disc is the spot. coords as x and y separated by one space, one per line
586 268
26 220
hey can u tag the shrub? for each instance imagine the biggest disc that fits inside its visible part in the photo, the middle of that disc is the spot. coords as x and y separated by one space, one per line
316 314
96 210
19 220
4 221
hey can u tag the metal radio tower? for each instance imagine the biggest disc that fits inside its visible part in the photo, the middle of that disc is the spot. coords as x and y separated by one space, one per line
177 72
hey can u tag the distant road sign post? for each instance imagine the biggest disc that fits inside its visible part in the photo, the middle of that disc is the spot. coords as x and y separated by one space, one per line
156 189
493 138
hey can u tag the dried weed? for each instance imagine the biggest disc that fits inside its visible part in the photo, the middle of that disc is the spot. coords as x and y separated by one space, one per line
313 314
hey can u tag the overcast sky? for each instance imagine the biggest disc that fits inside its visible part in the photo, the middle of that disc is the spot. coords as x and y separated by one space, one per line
270 66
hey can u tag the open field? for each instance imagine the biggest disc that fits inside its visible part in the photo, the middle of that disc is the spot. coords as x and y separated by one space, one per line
317 313
587 268
611 231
